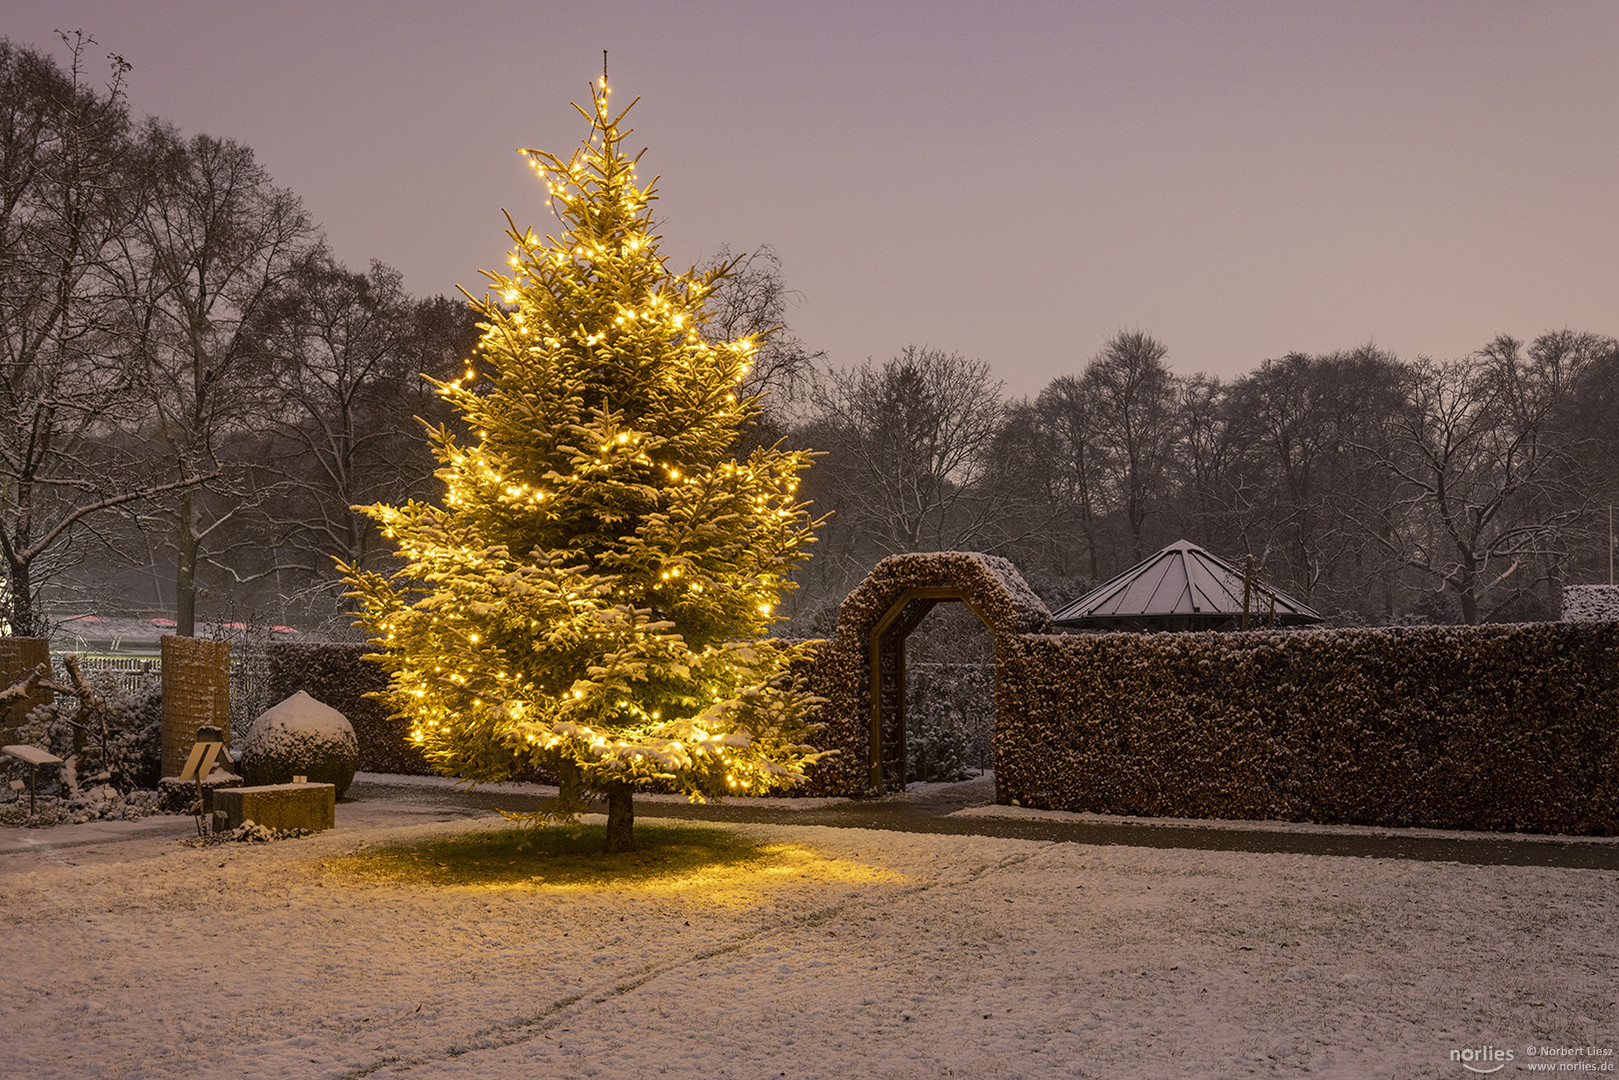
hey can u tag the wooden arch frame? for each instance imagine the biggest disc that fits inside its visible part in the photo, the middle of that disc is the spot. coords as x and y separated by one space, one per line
904 615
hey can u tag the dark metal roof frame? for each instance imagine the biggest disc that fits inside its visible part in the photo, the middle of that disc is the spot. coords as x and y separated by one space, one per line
1182 587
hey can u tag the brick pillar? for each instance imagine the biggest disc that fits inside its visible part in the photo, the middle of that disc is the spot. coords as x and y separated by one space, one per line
19 656
196 691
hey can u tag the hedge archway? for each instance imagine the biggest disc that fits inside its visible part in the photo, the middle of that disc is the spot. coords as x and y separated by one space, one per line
860 672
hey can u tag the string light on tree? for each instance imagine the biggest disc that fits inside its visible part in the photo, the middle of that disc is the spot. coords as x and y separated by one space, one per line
592 594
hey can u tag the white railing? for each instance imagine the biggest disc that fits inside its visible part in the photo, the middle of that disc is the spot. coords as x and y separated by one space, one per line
134 674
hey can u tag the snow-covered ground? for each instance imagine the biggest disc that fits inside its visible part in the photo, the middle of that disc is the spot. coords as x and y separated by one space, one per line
848 954
545 791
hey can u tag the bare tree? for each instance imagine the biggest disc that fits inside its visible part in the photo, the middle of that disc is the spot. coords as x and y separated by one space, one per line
1213 494
1484 486
1591 419
1137 426
1297 422
219 242
355 348
909 453
70 188
1068 417
345 340
752 299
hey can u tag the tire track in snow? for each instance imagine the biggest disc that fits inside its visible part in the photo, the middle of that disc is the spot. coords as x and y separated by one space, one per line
563 1010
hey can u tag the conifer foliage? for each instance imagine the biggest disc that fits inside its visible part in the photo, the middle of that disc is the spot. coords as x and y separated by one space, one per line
590 595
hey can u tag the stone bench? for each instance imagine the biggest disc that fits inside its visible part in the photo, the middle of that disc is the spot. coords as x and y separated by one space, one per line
277 806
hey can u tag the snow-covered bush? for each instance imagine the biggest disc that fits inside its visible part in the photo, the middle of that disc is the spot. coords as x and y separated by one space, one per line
248 832
98 802
949 717
103 734
300 737
338 673
1590 603
110 744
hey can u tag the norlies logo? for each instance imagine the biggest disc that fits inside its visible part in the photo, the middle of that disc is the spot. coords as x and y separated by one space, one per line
1484 1059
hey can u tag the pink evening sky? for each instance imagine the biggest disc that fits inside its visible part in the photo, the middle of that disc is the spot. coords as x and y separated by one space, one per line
1014 181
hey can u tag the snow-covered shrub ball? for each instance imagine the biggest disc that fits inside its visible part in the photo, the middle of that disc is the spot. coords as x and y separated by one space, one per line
300 737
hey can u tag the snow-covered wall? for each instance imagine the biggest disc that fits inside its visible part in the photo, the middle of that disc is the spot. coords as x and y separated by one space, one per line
1590 603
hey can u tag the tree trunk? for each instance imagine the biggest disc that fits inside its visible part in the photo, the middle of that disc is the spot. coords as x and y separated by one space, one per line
25 621
1466 582
620 818
185 575
1467 593
22 615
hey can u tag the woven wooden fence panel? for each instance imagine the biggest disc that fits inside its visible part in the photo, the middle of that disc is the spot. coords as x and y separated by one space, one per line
19 656
196 691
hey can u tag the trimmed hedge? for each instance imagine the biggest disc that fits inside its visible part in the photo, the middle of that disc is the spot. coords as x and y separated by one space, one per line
196 693
19 657
1496 727
337 674
1590 603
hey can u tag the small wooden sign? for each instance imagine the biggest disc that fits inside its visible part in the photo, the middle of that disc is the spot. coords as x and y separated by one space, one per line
201 761
33 755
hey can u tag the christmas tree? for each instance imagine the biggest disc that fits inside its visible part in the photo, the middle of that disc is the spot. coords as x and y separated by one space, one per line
590 596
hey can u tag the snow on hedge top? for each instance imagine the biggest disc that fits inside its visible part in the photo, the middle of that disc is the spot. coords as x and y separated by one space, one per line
990 583
297 720
1028 604
1590 603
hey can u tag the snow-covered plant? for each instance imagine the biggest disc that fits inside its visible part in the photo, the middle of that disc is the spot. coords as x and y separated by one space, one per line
300 737
1590 603
248 832
589 595
103 734
949 710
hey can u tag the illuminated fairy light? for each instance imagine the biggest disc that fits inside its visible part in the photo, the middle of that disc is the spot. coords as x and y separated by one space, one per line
578 596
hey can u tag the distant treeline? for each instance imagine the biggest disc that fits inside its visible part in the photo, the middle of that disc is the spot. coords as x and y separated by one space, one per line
1375 489
194 394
